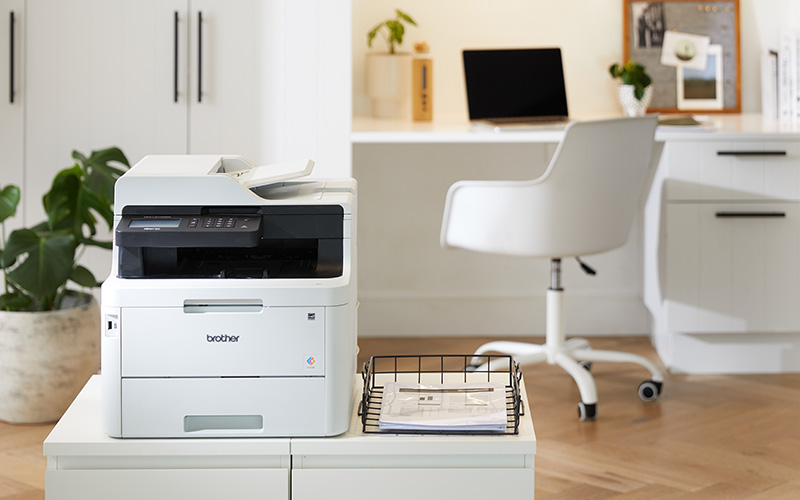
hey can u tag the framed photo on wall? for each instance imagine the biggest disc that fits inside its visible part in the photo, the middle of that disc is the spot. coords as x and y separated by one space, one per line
703 78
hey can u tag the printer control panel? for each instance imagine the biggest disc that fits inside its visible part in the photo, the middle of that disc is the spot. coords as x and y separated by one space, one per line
215 230
224 223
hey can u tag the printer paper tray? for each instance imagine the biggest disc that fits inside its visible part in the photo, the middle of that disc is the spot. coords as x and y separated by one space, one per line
223 407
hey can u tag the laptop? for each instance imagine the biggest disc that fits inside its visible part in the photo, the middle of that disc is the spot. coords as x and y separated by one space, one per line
515 88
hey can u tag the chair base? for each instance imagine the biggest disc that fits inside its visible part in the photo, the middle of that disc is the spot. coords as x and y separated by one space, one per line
574 356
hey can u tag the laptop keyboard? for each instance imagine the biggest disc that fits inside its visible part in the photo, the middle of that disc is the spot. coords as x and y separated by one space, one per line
527 119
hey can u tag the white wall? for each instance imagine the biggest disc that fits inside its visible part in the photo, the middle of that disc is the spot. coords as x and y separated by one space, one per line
589 33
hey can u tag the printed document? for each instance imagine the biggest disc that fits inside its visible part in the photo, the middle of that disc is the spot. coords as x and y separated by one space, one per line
442 407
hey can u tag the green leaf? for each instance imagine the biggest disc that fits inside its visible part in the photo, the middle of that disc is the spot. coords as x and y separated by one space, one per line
62 202
371 35
99 172
48 261
84 277
96 243
15 302
405 17
9 199
638 91
396 31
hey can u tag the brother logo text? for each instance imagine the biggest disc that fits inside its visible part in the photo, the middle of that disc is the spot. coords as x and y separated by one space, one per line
222 338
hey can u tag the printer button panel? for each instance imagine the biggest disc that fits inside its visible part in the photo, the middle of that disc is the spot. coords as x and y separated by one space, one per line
189 230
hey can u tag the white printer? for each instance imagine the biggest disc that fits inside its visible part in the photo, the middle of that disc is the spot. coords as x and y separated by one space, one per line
231 305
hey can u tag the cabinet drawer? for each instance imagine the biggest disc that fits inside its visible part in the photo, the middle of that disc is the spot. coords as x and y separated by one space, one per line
732 267
740 170
168 484
403 484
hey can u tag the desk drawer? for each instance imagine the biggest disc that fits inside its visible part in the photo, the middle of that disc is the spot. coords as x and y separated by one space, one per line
733 267
168 484
726 170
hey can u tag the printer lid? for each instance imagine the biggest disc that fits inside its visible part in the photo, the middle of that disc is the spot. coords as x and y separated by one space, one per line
253 176
171 180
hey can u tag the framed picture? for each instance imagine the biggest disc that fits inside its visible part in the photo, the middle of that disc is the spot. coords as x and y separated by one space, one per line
702 89
646 26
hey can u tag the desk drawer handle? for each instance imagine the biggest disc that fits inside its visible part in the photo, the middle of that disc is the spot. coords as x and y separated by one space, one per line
750 215
751 153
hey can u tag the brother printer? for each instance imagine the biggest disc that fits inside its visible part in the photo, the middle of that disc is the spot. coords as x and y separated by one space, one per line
230 310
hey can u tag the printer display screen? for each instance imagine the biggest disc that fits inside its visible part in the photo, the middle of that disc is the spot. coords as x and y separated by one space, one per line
155 223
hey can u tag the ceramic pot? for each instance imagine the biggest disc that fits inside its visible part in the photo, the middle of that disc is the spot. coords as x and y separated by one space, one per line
389 84
45 360
632 106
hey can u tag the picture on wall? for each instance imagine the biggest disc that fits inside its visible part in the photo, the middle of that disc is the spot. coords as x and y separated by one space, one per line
648 18
686 77
702 89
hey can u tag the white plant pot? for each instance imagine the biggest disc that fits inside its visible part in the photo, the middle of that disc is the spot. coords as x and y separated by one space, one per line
389 84
632 106
45 360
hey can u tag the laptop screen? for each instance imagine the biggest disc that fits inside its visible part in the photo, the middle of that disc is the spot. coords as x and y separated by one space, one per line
514 83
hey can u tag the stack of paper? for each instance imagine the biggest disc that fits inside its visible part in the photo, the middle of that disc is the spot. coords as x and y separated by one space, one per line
444 407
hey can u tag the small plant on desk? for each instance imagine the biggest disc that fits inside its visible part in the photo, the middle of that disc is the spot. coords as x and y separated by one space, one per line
632 73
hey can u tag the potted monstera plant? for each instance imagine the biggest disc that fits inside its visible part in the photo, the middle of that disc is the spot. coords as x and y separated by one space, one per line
49 323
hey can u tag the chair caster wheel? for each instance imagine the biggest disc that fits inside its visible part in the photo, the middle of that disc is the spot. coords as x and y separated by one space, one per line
649 390
586 365
587 413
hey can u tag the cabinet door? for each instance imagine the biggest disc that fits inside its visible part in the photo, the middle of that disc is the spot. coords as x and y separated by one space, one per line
270 80
100 74
236 79
92 78
733 267
12 96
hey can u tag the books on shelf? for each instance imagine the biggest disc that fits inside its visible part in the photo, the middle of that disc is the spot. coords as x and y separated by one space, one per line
780 79
443 407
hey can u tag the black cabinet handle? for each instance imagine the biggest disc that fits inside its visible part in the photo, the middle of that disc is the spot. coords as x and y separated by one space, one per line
11 58
750 215
175 59
751 153
200 56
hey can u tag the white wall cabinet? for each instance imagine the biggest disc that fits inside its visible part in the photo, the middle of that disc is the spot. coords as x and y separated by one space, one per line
722 236
252 77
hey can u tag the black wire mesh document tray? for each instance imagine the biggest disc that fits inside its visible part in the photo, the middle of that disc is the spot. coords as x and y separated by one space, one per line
441 394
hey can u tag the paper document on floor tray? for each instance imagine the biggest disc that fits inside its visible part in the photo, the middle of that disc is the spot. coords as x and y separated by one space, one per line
442 407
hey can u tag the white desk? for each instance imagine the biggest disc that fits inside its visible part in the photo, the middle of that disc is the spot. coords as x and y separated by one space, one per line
720 296
85 464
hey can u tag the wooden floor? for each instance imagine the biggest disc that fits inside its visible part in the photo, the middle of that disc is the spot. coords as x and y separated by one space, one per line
708 437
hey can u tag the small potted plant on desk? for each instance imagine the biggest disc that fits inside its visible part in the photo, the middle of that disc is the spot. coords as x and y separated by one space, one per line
389 73
50 334
636 90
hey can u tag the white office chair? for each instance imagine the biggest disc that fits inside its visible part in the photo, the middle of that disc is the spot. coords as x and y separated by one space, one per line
584 203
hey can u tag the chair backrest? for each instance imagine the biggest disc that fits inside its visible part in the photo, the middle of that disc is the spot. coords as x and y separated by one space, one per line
584 203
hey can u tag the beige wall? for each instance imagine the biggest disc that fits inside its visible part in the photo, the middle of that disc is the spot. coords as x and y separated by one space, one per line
589 33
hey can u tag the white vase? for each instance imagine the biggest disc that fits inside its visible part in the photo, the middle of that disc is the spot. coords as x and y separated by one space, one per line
389 84
45 360
632 106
